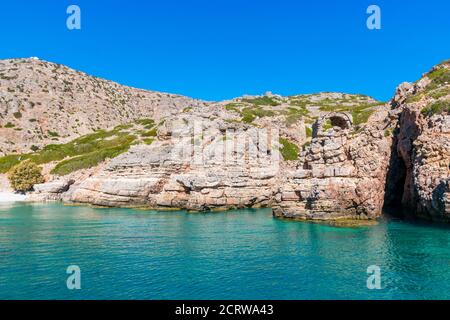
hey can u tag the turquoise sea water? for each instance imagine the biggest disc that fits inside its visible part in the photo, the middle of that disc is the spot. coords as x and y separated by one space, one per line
246 254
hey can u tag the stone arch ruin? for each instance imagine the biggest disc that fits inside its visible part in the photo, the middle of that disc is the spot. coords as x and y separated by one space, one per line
341 120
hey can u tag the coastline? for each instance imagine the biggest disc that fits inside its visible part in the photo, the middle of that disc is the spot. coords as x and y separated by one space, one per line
7 197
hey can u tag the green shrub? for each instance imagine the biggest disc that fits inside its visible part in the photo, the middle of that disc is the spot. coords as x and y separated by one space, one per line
327 125
148 141
440 75
388 132
9 161
24 176
308 131
360 113
295 114
436 108
9 125
361 116
149 123
17 115
436 94
232 107
415 97
289 150
262 101
150 133
96 141
248 118
34 148
249 114
88 160
123 127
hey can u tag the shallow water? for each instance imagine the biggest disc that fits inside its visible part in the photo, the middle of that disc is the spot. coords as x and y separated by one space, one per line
245 254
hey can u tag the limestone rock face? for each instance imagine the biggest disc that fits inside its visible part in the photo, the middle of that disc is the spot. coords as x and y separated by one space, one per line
421 157
153 176
341 175
53 187
50 190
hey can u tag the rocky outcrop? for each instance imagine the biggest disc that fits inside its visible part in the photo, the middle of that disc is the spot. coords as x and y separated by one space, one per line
159 176
419 177
50 191
341 175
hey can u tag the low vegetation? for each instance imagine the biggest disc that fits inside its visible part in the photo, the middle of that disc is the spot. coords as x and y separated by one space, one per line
388 132
439 93
438 87
362 115
90 160
438 107
147 123
249 114
148 141
86 151
438 77
262 101
294 114
24 176
327 125
150 133
308 132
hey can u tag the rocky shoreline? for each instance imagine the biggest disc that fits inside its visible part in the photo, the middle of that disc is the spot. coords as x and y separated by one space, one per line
301 156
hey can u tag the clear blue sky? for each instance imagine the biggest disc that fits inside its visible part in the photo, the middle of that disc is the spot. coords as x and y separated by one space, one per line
219 49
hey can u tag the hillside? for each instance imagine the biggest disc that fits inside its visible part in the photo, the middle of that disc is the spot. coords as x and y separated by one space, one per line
50 113
44 103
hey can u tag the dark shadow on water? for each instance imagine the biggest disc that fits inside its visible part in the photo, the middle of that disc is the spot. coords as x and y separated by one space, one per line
416 222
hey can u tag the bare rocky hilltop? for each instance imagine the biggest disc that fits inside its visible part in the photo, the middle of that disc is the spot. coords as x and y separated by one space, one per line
43 103
325 156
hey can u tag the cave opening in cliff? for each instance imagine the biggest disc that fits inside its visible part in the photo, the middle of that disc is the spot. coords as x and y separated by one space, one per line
395 186
337 121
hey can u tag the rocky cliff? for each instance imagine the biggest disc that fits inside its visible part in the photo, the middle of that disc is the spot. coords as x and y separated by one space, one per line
326 156
418 183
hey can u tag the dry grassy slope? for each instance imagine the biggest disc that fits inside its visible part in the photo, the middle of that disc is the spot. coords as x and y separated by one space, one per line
43 103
